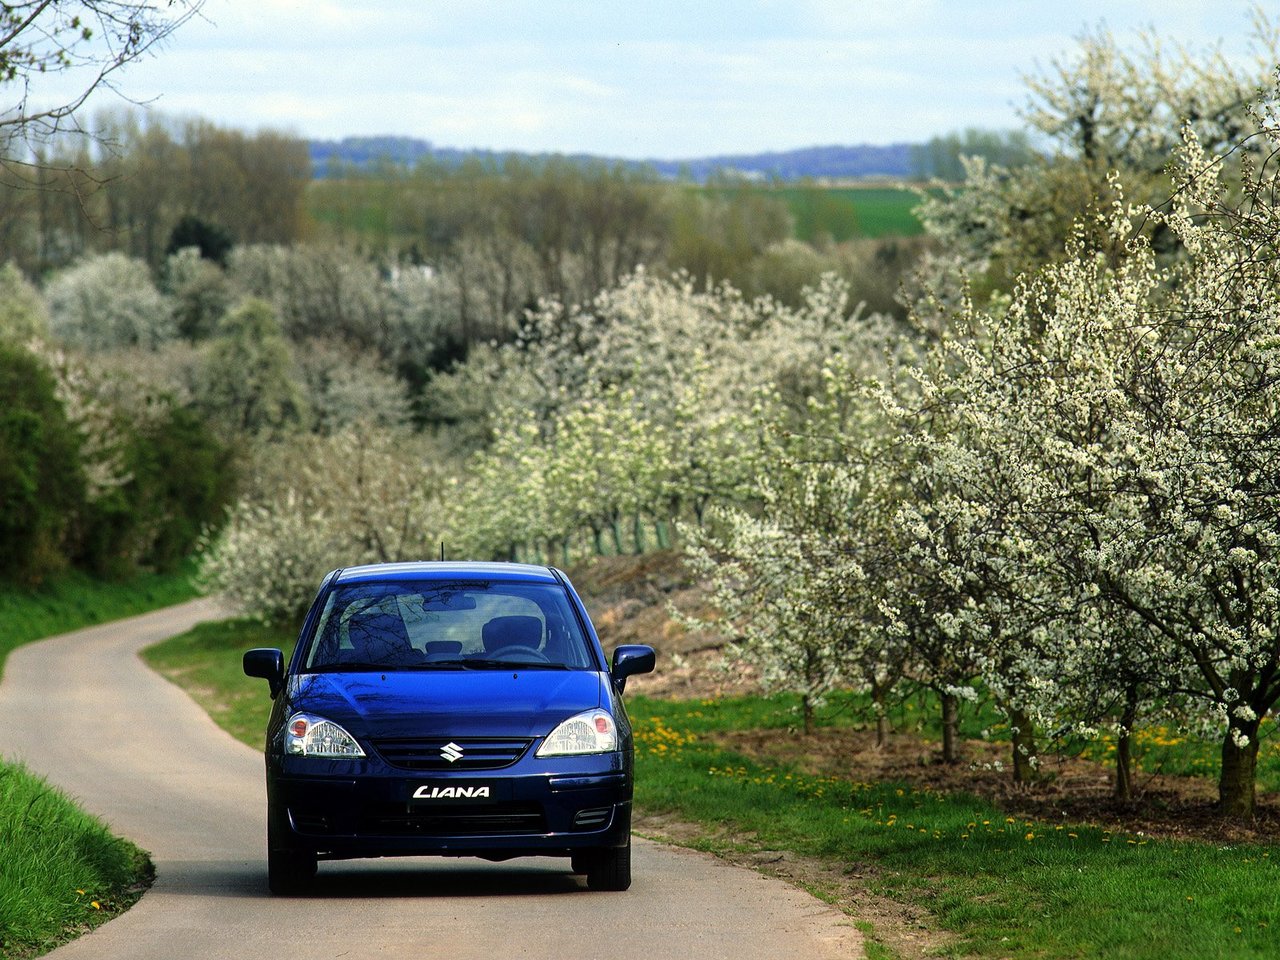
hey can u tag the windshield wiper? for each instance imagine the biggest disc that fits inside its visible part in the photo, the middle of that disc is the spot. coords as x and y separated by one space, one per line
486 663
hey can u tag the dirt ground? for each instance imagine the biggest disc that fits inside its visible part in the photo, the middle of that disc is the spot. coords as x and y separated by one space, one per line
631 600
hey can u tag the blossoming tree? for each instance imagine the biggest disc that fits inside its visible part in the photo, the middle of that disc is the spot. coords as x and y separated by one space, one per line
1108 476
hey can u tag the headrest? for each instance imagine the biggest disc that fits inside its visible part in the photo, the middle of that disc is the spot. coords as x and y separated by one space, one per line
512 632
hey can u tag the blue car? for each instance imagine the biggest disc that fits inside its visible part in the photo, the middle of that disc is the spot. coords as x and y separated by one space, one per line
451 709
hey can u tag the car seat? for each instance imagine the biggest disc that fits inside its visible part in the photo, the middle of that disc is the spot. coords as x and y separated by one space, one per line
511 631
379 636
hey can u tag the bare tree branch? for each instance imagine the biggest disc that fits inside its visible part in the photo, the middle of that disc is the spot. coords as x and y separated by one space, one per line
46 42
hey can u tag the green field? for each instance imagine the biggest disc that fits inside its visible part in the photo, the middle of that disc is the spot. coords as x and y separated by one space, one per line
846 213
364 209
998 885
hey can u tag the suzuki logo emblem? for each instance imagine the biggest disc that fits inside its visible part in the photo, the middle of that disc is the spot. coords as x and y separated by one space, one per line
451 752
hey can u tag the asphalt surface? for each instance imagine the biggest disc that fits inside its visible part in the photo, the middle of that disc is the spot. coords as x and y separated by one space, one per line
83 711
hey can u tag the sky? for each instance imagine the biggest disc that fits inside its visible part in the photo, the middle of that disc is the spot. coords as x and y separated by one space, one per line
666 79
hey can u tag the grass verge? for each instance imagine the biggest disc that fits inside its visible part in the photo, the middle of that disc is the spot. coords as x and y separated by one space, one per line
206 662
1003 886
75 600
61 870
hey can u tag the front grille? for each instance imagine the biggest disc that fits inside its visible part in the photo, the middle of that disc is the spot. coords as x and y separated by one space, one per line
389 821
469 753
500 819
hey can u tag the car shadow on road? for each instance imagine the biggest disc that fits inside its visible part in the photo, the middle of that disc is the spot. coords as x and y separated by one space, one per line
399 877
442 878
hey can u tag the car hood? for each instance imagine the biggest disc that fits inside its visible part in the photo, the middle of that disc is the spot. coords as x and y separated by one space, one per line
507 703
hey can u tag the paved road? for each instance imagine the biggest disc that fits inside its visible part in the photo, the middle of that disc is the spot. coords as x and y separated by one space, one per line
82 710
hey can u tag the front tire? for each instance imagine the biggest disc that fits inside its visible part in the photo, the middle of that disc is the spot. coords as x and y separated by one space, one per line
289 870
608 869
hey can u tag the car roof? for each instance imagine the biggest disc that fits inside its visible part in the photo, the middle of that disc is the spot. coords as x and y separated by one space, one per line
427 570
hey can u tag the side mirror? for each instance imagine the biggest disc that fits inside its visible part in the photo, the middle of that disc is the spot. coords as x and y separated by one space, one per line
268 663
628 660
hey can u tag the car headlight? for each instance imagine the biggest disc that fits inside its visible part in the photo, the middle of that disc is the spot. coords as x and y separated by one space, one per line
590 732
311 736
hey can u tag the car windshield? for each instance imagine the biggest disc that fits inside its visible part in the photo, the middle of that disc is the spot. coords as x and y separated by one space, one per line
460 626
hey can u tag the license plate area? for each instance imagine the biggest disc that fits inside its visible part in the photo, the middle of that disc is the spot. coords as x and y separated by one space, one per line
430 794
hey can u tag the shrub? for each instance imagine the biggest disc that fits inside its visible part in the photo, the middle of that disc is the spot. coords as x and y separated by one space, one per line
41 482
108 302
22 311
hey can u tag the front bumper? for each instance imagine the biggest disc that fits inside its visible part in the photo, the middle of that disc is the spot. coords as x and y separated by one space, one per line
542 807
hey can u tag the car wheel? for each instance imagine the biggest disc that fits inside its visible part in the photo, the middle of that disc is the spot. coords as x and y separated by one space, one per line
608 869
289 871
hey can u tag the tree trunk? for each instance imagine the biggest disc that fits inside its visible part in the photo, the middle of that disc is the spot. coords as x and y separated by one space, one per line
1025 757
806 707
950 714
882 719
1124 748
1236 784
637 530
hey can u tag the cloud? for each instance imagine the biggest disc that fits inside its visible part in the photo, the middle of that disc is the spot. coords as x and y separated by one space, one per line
658 79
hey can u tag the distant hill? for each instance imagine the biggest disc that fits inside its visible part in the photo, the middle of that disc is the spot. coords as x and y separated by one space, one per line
329 157
835 162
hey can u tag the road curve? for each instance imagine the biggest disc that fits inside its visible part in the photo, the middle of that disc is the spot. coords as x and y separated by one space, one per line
82 710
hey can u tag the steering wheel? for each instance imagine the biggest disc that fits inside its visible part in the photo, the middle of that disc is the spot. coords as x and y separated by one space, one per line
537 655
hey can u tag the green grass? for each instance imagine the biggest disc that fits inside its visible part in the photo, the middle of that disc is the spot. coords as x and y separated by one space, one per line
73 600
61 871
1156 749
843 213
206 662
1005 887
362 208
